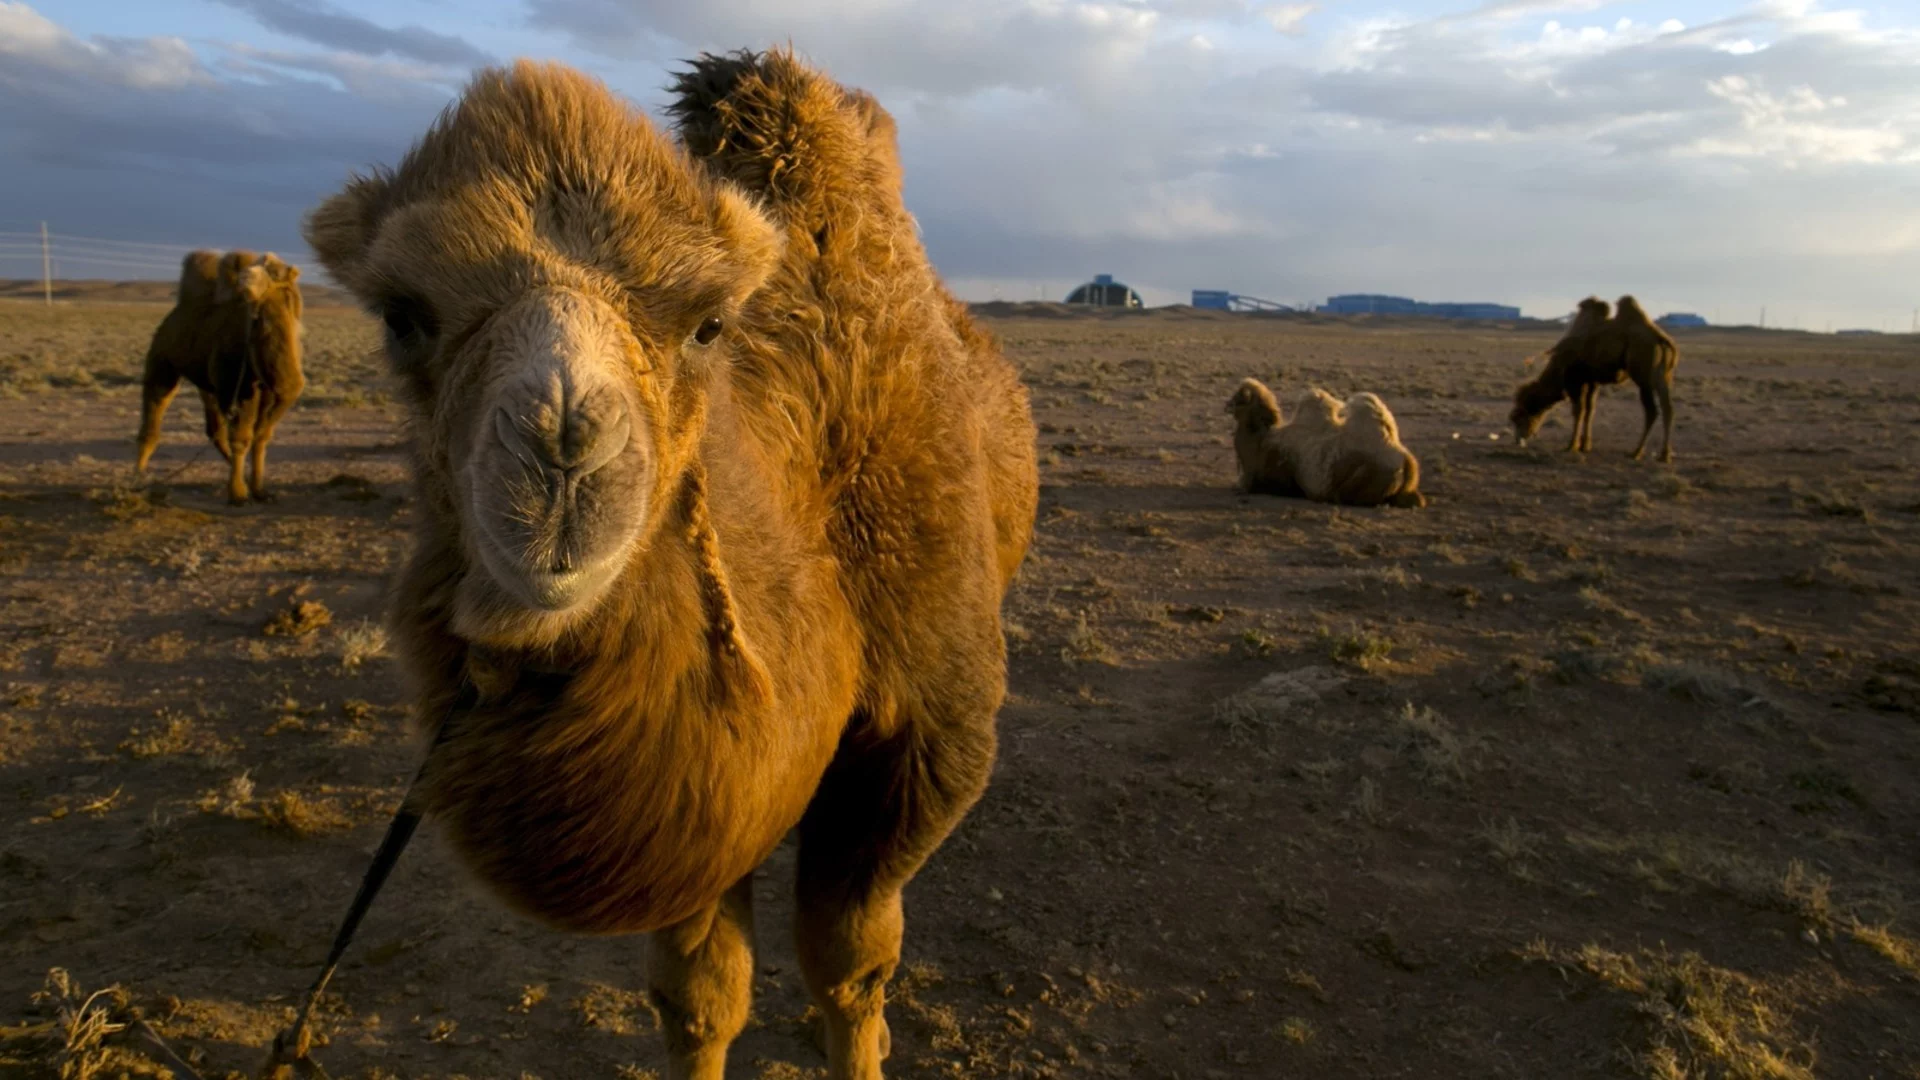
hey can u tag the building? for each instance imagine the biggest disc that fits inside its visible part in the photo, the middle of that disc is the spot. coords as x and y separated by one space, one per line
1222 300
1103 291
1376 304
1681 318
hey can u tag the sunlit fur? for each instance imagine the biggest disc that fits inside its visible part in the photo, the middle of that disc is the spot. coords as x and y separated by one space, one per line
1330 452
803 626
234 333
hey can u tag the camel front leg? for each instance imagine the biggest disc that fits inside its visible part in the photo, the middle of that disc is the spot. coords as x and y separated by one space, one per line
1586 431
216 425
240 433
156 393
1650 411
272 410
1665 390
881 810
1577 404
700 977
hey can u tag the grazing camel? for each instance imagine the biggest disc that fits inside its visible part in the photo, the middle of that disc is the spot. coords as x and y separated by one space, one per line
719 503
1332 452
1598 351
234 333
1584 359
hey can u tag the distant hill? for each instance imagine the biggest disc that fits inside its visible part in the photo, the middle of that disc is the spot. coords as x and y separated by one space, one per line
143 292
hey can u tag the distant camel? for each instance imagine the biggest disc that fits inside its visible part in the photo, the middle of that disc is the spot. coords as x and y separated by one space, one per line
1600 351
1329 452
234 333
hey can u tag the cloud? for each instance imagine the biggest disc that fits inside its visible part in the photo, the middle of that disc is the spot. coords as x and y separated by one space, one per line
1511 152
324 24
144 140
1289 18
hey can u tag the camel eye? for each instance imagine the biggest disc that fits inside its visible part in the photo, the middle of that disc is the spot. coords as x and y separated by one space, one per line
709 330
407 319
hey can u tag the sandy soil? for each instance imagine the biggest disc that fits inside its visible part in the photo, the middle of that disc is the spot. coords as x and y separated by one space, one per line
1591 768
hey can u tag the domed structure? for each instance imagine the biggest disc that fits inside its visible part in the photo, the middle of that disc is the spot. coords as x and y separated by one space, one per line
1103 291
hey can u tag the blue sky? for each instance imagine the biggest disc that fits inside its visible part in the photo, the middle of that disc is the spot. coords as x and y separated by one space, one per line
1709 155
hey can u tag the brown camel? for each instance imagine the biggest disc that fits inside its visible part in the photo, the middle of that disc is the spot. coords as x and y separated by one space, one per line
234 333
1650 357
1599 351
720 498
1344 453
1584 359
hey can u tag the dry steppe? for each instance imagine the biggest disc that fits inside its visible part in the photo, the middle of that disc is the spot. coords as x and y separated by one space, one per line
1591 768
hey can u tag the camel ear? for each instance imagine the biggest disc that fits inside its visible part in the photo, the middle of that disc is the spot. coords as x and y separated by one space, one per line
754 245
340 229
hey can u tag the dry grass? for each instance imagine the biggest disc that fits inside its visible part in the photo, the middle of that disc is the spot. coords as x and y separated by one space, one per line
1699 1020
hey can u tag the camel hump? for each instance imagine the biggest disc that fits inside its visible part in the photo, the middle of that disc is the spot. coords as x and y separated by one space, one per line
198 272
788 133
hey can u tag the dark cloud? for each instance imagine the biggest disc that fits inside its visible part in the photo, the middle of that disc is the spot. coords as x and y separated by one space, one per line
1771 155
140 141
323 24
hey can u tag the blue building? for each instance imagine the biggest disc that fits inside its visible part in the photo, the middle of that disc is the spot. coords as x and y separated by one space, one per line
1103 291
1681 318
1222 300
1377 304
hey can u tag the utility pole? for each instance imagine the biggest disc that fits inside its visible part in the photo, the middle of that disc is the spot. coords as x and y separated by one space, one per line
46 267
1763 316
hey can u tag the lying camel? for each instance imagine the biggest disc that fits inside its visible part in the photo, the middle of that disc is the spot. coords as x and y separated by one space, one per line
1596 351
234 333
720 497
1348 453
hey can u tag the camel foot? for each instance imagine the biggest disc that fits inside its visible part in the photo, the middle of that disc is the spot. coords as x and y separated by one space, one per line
266 496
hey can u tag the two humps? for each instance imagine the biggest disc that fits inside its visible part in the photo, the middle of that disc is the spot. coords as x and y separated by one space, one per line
234 333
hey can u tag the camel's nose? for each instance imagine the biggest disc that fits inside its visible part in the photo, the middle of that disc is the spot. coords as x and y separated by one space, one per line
554 425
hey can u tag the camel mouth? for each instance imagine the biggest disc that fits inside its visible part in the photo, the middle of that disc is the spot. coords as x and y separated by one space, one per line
555 591
554 533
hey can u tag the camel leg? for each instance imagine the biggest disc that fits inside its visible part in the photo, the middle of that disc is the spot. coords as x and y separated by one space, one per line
1665 390
216 425
273 408
881 811
700 977
1586 430
1650 411
1577 404
240 436
156 393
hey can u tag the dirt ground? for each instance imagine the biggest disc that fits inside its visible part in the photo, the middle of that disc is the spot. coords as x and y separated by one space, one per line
1590 768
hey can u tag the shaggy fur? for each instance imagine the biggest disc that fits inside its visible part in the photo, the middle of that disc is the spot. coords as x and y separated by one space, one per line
234 333
1598 351
1347 453
810 476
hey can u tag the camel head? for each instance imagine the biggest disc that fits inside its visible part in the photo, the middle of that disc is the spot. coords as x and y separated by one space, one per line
557 282
1526 421
1253 406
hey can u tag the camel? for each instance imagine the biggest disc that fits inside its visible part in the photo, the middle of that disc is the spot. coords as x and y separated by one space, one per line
234 333
1347 453
720 498
1650 357
1602 349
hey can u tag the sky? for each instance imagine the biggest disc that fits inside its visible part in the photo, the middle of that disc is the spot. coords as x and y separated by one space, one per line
1714 156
